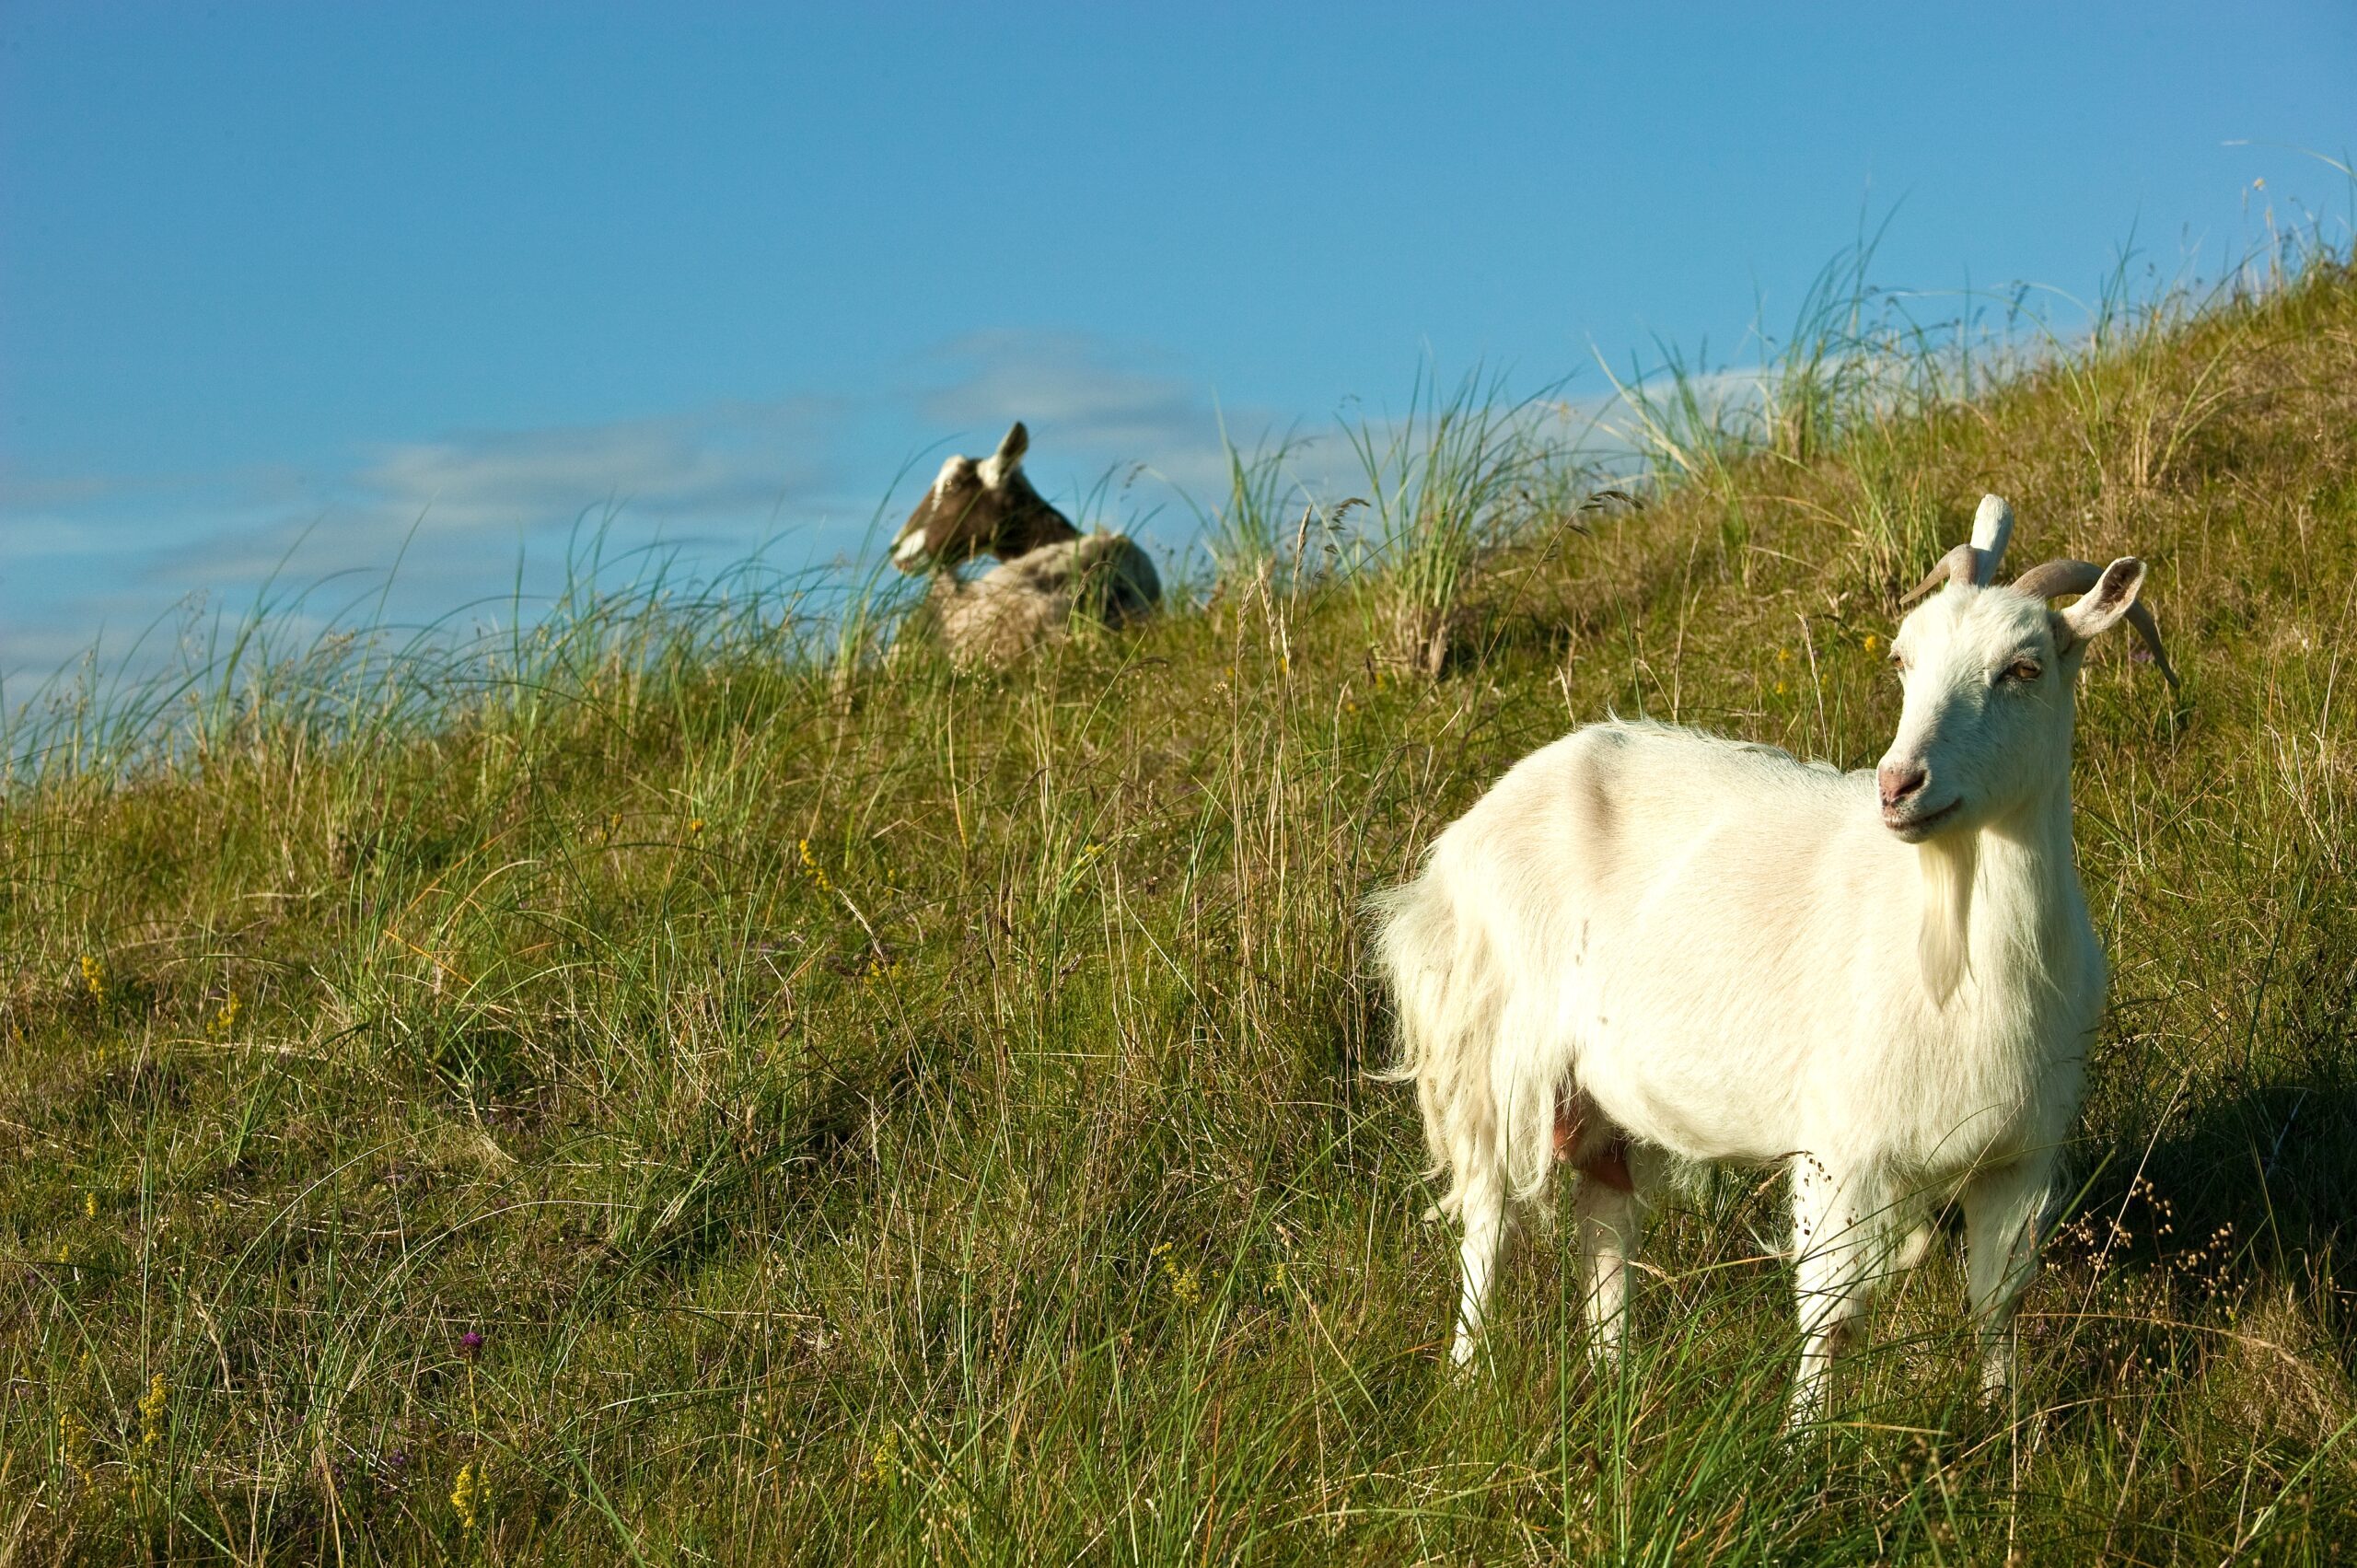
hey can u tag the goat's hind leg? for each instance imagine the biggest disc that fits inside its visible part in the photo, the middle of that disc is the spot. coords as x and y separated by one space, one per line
1483 1209
1604 1217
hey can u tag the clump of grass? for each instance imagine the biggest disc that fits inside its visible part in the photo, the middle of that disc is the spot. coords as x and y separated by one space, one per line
1442 482
2133 409
1245 532
660 1080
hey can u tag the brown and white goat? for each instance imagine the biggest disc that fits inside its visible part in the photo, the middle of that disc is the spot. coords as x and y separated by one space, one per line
1051 575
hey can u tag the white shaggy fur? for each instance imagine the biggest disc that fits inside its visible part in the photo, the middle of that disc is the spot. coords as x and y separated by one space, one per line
1645 941
1098 579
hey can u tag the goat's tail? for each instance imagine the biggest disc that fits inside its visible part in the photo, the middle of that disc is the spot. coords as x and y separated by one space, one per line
1488 1122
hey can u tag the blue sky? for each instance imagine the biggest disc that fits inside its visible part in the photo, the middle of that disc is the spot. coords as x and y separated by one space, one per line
332 272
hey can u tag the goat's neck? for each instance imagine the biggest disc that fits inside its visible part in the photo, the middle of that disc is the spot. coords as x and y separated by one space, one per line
1030 529
1987 890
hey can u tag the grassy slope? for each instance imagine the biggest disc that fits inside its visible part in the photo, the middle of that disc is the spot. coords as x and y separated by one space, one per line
907 1116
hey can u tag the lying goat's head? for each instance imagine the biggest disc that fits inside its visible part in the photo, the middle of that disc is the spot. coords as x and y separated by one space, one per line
985 509
1989 674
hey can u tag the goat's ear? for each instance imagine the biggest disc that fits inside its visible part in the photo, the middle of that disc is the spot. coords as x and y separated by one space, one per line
2101 607
1009 456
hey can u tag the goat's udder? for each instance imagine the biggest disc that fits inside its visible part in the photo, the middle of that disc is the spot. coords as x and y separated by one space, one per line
1608 1164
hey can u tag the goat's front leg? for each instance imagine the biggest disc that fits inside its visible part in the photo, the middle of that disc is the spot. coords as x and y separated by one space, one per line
1484 1212
2001 1206
1838 1230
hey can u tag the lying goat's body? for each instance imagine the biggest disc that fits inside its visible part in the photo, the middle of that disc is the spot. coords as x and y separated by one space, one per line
1051 578
1644 939
1096 579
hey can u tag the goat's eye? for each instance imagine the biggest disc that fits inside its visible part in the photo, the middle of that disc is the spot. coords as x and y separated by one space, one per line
1897 664
2023 670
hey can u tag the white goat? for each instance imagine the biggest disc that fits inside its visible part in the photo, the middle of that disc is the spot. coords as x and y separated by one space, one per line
1646 940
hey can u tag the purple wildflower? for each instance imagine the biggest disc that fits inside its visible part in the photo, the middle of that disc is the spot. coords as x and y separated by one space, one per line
471 1344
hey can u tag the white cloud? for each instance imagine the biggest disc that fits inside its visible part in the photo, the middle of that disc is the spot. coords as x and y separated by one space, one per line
732 459
79 555
46 535
1088 392
455 512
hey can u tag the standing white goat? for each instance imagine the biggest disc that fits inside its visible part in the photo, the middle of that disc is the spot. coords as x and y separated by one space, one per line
1647 939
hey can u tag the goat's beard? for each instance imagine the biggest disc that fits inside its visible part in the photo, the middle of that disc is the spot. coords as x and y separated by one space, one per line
1944 945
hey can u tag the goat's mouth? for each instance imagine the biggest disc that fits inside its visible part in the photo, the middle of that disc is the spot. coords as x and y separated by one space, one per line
911 553
1914 827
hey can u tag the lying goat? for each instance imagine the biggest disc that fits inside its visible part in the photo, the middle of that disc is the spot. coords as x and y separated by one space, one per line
1646 940
1052 574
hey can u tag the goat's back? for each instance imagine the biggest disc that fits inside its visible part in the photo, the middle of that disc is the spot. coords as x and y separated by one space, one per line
1693 931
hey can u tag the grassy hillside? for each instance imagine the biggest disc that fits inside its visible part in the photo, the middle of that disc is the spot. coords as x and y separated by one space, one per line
663 1090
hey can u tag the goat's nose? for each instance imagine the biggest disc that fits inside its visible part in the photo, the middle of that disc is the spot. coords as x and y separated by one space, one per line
1898 780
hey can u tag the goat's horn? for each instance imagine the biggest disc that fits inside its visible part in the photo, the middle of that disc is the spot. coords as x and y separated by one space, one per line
1992 529
1961 564
2148 629
2054 578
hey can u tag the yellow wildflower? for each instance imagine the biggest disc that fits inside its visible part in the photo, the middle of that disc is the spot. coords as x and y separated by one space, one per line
464 1495
89 1206
74 1444
151 1412
695 825
1872 642
93 977
817 872
1186 1285
883 1466
227 1019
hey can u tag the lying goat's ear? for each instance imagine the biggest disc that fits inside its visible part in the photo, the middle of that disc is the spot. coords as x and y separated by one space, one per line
2101 608
1009 456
